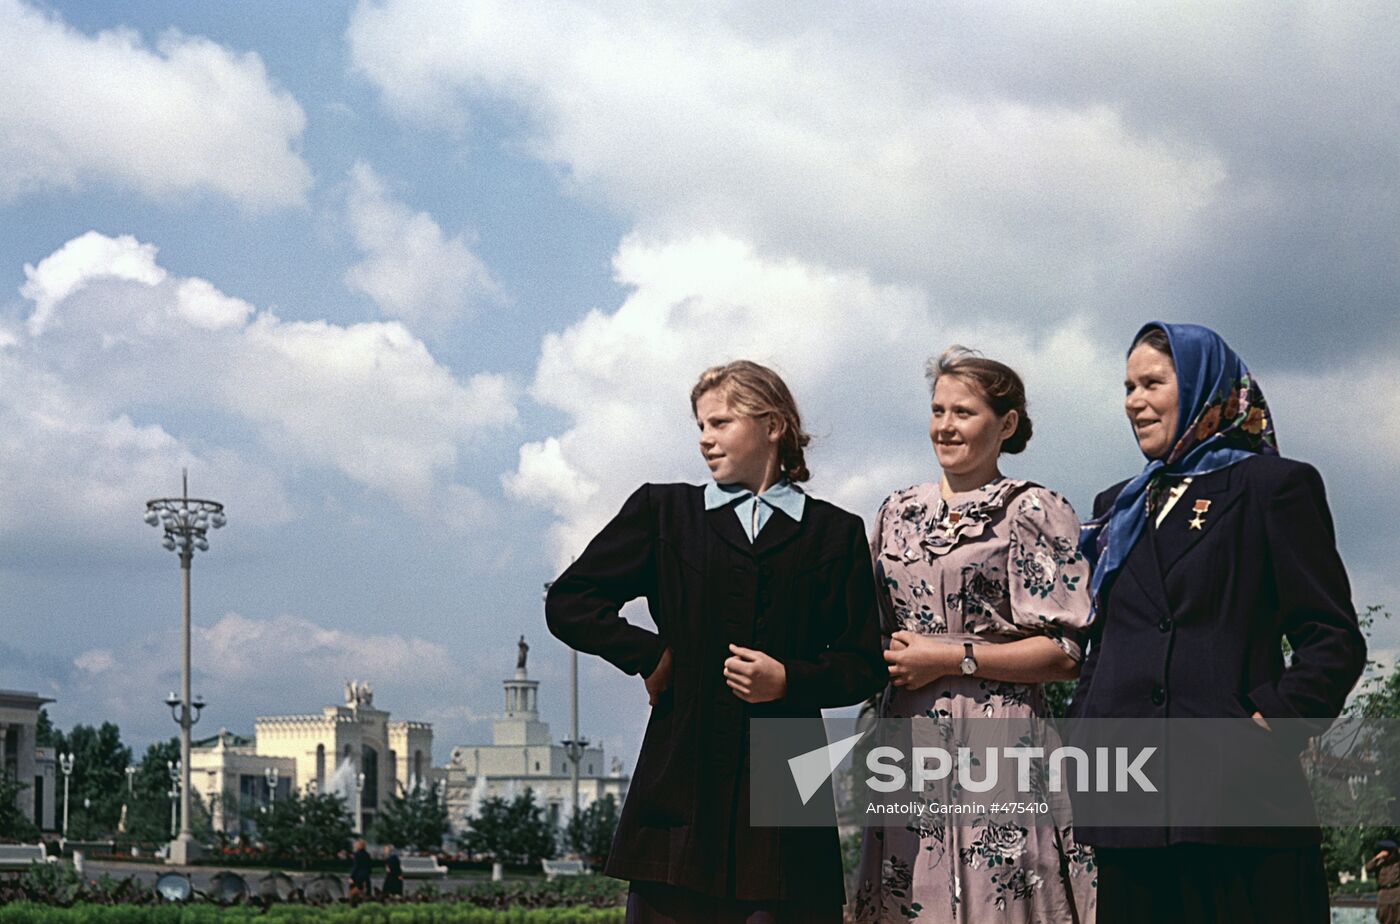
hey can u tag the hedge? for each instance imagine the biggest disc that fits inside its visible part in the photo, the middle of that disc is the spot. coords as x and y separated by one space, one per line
369 913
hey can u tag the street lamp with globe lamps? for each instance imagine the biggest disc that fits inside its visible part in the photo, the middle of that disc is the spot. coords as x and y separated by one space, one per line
186 522
271 773
65 763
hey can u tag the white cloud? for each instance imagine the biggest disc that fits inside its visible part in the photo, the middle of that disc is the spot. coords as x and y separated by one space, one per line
245 666
76 470
803 139
411 269
186 116
206 307
85 258
368 398
851 350
117 332
95 661
545 477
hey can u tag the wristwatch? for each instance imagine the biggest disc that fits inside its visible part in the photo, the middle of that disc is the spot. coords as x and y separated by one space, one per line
969 663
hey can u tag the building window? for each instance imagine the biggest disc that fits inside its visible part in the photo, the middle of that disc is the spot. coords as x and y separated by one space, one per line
369 765
537 766
320 767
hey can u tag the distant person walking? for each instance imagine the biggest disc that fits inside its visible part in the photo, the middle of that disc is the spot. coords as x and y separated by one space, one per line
393 872
360 863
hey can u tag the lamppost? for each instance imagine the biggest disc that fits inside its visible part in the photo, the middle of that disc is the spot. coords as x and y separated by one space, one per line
174 766
185 521
65 763
130 775
574 746
271 773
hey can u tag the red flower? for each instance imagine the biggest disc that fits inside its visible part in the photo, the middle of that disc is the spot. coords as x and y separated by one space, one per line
1208 423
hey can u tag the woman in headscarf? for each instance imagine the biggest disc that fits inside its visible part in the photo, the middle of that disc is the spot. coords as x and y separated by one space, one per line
1203 564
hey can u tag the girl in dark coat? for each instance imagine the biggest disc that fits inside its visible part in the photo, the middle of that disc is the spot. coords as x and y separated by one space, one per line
764 604
1216 552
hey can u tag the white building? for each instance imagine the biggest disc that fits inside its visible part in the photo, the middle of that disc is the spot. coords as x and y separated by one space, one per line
352 749
522 755
23 760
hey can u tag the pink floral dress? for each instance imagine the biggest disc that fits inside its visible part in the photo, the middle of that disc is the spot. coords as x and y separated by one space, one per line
992 565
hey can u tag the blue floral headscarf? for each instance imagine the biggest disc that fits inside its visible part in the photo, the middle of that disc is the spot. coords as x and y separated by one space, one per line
1221 419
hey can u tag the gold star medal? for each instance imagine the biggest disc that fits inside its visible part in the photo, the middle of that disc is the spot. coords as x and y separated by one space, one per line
1200 510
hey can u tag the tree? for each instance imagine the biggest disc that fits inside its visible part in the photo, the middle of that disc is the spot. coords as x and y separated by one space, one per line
148 804
417 819
14 824
515 832
1376 707
590 831
97 787
305 827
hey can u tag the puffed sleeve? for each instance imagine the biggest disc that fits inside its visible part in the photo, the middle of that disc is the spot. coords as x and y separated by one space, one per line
1314 603
1049 576
619 565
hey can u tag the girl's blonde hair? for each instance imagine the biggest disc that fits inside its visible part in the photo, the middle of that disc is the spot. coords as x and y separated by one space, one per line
757 391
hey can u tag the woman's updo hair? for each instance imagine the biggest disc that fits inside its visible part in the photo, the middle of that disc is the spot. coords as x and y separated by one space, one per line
1156 338
998 384
757 391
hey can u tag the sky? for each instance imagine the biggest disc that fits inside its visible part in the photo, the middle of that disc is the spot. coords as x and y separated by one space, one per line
418 291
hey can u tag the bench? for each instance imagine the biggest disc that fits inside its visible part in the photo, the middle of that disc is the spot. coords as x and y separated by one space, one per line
422 868
19 857
555 868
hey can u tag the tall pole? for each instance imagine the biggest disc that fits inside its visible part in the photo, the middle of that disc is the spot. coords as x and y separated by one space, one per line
186 522
575 746
573 725
186 836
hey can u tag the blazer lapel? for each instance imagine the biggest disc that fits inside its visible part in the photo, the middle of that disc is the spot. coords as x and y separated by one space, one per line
1143 565
777 532
1198 510
724 523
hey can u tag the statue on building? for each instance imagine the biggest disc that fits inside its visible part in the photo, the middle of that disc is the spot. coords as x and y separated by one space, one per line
524 653
358 694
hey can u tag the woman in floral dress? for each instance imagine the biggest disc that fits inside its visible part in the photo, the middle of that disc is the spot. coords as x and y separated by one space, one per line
977 559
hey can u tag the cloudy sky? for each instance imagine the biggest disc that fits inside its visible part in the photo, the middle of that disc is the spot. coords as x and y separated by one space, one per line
418 290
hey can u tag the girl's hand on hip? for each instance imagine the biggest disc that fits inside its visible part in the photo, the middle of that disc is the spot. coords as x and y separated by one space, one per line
754 676
659 680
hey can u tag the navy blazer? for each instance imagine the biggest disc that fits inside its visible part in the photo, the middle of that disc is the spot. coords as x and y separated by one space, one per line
1192 625
802 592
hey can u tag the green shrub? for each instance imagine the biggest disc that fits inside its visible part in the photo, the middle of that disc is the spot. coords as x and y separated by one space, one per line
445 913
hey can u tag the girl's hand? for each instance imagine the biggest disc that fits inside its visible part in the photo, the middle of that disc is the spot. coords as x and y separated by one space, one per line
917 660
1261 721
659 680
754 676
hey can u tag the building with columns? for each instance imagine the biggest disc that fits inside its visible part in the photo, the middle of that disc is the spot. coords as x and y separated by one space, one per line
522 755
23 760
353 749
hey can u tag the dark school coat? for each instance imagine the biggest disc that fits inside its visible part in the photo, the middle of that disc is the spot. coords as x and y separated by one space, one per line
1191 627
802 592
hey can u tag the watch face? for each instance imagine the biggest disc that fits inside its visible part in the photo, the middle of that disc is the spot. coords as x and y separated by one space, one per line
968 665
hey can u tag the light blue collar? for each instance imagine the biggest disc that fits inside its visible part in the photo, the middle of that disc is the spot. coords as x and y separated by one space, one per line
753 512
